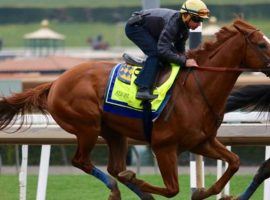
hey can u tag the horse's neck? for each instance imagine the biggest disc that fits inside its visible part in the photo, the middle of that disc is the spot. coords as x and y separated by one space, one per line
218 85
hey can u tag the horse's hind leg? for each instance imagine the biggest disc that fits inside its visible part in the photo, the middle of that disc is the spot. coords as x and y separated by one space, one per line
86 141
262 174
117 162
167 162
214 149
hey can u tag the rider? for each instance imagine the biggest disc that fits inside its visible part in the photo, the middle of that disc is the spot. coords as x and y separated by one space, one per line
161 34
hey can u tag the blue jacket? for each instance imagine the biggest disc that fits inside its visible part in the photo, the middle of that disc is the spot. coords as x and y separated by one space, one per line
170 32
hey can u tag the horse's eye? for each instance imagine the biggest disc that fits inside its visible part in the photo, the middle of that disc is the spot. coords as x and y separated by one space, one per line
262 45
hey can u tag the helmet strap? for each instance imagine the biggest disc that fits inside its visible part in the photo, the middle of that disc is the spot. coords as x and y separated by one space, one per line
186 17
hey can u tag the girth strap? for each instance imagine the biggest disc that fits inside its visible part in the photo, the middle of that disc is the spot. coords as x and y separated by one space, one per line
218 118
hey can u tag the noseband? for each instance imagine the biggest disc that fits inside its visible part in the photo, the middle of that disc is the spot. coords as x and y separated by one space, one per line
257 49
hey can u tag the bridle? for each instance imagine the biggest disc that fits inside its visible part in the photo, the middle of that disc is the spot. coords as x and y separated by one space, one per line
219 117
259 52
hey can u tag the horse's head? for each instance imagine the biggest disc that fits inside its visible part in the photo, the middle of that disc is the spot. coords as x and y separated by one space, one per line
257 48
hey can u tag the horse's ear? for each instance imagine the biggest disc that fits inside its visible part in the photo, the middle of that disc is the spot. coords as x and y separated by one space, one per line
239 25
239 28
239 16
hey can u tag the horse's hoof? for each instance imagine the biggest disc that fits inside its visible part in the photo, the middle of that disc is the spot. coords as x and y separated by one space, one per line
115 195
126 175
198 194
147 196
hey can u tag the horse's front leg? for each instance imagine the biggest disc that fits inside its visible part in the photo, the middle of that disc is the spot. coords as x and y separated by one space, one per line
117 163
214 149
167 162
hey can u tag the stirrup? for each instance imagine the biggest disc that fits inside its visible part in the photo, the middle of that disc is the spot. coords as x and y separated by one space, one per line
145 95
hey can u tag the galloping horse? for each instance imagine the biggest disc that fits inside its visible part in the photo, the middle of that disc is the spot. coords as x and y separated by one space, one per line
252 98
199 96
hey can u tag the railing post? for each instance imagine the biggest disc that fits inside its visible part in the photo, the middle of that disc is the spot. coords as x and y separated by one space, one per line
227 186
43 172
219 174
196 169
192 165
199 171
23 173
267 182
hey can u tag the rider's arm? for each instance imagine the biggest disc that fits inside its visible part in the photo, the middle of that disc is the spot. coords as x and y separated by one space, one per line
180 44
165 48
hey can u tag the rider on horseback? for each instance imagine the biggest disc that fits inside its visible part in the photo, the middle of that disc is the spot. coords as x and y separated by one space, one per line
162 33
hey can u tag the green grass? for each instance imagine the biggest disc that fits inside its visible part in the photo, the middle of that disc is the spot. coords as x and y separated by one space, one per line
84 187
77 33
104 3
263 25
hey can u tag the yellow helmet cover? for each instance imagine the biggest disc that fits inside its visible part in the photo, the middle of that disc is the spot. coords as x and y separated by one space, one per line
195 7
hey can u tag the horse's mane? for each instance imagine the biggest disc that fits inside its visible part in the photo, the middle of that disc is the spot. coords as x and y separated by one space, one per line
224 33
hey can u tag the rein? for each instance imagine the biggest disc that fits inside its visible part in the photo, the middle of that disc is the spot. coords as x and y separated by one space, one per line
218 117
224 69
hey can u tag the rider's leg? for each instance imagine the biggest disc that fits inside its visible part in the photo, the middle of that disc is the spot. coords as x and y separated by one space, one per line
146 78
146 42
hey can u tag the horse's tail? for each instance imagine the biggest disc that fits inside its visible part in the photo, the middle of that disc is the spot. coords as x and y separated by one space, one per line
250 98
21 103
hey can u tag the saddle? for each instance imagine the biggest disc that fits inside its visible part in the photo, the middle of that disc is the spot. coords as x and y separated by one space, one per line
132 60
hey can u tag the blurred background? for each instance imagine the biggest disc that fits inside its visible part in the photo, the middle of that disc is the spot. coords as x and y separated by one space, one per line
84 21
40 39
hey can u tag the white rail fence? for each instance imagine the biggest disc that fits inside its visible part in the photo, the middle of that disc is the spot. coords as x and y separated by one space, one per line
238 129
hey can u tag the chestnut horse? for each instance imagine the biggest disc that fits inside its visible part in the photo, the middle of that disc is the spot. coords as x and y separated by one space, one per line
75 101
252 98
